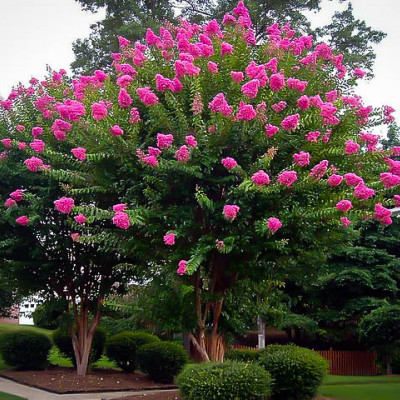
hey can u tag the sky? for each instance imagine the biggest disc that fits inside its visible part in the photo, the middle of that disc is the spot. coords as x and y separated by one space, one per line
35 33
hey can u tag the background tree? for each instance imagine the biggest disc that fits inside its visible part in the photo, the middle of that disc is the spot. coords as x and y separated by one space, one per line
129 18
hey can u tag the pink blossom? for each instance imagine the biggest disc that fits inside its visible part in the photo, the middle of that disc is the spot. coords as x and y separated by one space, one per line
230 211
277 82
287 178
124 81
250 89
10 203
271 130
17 195
33 164
123 42
79 153
7 143
22 220
296 84
21 145
246 112
37 146
100 75
163 84
99 110
353 179
395 151
303 102
134 116
191 141
237 76
344 205
351 147
313 136
182 154
37 131
212 67
64 205
119 207
153 151
121 220
219 104
182 267
20 128
332 95
150 160
125 100
164 141
229 163
71 109
280 106
116 130
75 236
345 221
80 219
59 124
389 180
319 170
394 166
382 214
358 73
274 224
397 200
260 178
226 48
169 239
363 192
290 122
183 68
60 135
302 159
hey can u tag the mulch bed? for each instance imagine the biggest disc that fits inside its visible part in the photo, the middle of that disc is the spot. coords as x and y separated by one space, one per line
65 380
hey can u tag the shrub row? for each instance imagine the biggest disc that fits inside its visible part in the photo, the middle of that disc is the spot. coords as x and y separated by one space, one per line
276 372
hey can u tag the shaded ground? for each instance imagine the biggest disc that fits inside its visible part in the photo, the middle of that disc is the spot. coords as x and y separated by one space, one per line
65 380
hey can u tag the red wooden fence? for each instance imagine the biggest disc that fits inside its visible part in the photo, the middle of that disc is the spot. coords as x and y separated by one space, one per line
345 362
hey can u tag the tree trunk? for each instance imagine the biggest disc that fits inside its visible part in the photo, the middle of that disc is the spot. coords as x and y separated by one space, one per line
389 369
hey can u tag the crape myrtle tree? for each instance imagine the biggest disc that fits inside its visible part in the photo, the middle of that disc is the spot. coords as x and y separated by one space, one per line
231 160
40 254
130 19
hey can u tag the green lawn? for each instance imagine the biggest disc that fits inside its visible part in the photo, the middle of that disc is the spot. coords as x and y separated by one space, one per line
55 357
6 396
361 387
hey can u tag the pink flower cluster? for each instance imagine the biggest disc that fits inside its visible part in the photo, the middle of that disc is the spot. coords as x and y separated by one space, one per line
229 163
79 153
260 178
274 224
382 214
287 178
230 211
121 220
64 205
169 239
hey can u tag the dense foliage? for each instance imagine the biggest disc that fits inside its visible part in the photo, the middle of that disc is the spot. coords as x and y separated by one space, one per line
224 381
48 315
162 361
226 159
25 349
122 348
243 355
297 372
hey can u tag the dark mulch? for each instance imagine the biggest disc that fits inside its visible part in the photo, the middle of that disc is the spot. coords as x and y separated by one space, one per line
65 380
166 395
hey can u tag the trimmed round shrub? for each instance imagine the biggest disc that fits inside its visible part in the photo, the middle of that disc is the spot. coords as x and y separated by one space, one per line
244 355
122 348
224 381
162 361
297 372
63 341
25 349
48 314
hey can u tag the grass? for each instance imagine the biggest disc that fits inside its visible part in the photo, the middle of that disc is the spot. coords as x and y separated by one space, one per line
7 396
361 387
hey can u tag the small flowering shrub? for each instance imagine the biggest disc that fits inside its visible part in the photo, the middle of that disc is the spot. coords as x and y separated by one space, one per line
226 156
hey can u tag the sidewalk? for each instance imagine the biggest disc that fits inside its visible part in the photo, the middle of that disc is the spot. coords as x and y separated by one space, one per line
37 394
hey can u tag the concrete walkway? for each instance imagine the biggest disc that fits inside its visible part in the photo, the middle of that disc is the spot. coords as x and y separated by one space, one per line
29 393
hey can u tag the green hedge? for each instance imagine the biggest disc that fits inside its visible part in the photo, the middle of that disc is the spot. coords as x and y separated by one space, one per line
162 361
122 348
230 380
48 314
297 372
244 355
25 349
63 341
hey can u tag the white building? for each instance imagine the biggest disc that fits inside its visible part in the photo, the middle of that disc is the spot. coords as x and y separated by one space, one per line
26 308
